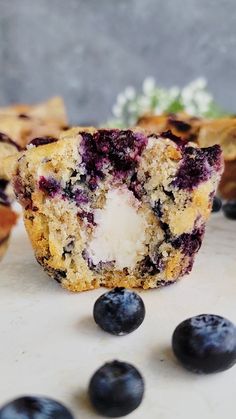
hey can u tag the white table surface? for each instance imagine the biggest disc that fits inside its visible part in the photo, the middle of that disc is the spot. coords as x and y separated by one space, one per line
50 344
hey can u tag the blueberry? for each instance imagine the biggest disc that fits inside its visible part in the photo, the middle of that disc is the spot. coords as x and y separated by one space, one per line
205 343
229 210
43 140
49 186
118 149
116 389
30 407
119 311
197 165
217 204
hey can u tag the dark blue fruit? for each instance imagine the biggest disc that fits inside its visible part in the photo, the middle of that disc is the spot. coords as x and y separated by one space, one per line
229 210
205 343
30 407
217 204
116 389
119 311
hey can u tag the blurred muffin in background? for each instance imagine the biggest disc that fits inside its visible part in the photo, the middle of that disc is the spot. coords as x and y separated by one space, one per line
19 124
23 122
180 124
206 133
8 217
222 131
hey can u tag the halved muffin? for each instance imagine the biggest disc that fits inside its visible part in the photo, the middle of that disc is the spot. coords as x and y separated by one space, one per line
116 208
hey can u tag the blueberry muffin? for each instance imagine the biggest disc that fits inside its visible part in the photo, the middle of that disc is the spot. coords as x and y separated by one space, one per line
24 122
8 217
116 208
222 131
180 124
206 133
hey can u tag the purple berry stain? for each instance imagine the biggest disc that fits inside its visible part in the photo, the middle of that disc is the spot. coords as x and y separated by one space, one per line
118 149
49 186
197 166
189 243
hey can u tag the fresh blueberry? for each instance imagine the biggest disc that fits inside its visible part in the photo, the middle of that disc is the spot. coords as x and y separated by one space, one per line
205 343
30 407
119 311
116 389
229 210
217 204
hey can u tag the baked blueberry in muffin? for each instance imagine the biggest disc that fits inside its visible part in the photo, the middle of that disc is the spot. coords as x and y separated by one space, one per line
116 207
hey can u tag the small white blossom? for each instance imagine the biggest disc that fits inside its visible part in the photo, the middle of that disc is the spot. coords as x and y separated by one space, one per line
149 85
202 98
117 111
132 107
121 99
130 93
144 103
174 92
187 95
193 99
199 83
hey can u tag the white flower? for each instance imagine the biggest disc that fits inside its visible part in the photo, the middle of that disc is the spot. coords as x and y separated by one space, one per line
121 99
117 111
174 92
130 93
149 85
199 83
187 95
191 110
144 104
193 98
132 107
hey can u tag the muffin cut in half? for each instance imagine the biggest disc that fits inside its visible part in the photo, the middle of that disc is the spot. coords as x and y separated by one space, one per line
116 208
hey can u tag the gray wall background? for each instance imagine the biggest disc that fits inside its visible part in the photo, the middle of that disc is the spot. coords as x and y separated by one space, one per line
89 50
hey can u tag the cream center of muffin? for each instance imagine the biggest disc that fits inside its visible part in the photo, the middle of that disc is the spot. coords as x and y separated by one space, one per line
120 232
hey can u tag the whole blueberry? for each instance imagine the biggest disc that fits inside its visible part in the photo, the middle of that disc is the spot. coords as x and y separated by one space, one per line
31 407
119 311
229 210
116 389
205 343
216 205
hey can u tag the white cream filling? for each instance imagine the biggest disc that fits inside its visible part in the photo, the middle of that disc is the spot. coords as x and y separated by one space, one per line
120 232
